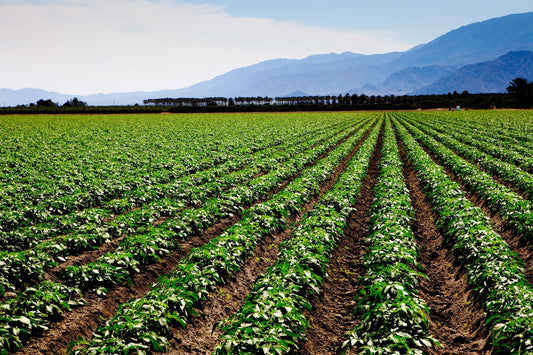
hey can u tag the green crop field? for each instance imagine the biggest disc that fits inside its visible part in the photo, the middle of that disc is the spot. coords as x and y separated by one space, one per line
260 233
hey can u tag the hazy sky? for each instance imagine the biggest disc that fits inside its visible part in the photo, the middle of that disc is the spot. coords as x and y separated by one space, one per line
96 46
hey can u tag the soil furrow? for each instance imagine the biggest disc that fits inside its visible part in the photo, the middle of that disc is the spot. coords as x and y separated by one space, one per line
457 320
332 312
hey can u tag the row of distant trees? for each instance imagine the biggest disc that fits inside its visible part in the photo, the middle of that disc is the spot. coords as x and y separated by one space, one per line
520 89
69 103
346 99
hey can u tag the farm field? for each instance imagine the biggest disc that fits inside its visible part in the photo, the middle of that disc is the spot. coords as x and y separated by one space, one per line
263 233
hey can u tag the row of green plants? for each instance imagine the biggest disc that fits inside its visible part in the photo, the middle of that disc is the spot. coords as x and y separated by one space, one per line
394 320
31 201
54 167
512 127
495 273
511 153
142 249
21 267
515 210
508 172
184 188
143 324
508 130
111 267
30 212
272 319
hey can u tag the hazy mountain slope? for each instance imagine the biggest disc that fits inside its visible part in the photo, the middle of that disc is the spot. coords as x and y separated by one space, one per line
474 43
327 74
10 97
324 82
316 74
487 77
406 80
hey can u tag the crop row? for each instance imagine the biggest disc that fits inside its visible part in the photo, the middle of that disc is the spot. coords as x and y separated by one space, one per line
272 320
191 190
491 141
19 267
91 183
513 208
112 267
144 324
43 218
145 248
393 318
85 167
511 127
494 271
508 172
517 155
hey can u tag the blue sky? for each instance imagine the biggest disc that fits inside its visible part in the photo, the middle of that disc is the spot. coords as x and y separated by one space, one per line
417 20
92 46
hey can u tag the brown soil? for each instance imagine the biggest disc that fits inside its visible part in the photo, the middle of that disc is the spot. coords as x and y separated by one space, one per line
456 319
83 258
332 314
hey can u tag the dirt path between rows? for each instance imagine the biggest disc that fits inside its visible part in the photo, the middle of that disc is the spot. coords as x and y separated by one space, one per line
332 311
457 320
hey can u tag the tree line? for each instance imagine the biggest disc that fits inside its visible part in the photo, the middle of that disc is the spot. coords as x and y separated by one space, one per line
519 94
49 103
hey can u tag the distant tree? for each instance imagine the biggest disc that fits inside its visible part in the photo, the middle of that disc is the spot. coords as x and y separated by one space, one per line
522 90
46 103
347 100
75 103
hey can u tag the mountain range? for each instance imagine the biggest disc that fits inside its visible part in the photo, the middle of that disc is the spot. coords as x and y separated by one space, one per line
482 57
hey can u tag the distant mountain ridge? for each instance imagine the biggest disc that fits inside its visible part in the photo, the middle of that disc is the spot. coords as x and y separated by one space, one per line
480 57
474 43
487 77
